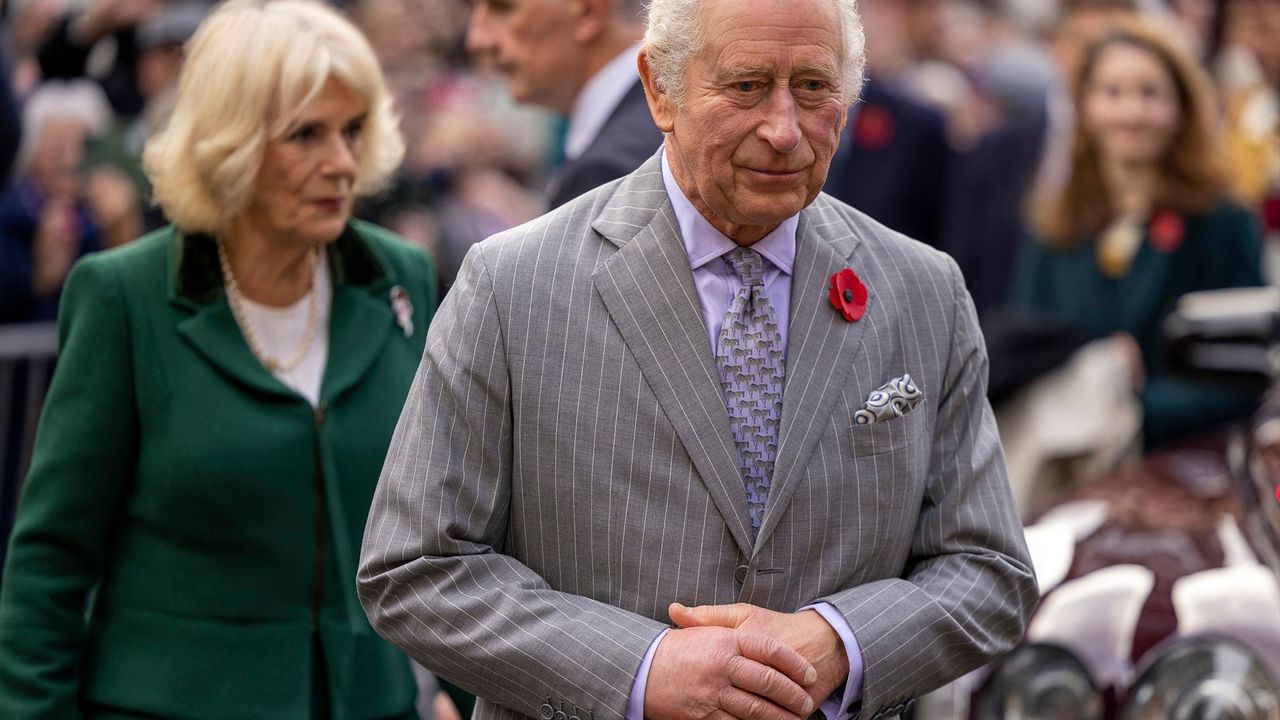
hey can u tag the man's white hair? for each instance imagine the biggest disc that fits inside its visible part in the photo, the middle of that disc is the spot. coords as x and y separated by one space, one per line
675 33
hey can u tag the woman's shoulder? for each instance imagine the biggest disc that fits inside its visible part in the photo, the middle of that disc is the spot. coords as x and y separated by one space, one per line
147 256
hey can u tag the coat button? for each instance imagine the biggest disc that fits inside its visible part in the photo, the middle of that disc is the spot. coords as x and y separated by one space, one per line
740 574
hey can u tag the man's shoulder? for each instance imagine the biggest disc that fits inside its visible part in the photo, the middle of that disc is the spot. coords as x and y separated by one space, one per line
630 200
628 138
630 131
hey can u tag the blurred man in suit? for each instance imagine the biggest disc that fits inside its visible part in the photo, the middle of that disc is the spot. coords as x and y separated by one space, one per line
706 395
578 58
893 162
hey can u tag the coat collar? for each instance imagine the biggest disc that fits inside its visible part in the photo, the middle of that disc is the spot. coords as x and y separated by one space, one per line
649 292
196 279
360 322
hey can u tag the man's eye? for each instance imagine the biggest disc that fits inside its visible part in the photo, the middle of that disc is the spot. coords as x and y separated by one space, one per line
813 85
353 131
746 85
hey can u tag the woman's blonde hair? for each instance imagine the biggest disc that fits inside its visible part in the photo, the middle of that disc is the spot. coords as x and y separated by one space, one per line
251 67
1192 177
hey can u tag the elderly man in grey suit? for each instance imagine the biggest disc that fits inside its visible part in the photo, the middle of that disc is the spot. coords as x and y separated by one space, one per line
704 442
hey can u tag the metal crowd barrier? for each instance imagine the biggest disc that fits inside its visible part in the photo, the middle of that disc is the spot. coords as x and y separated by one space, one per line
27 355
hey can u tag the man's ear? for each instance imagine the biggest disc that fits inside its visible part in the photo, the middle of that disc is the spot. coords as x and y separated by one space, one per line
590 18
660 105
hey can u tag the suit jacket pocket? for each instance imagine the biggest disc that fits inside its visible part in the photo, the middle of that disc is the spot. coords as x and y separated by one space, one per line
888 436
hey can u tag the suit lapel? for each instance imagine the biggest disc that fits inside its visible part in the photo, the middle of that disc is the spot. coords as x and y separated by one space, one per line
648 291
821 346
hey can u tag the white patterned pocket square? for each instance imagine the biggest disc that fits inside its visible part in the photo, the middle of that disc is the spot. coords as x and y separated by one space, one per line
891 400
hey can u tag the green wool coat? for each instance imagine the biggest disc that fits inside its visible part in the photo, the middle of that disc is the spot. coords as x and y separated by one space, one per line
1218 249
186 541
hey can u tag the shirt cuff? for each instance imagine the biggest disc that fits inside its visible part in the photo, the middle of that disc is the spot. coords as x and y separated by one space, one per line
837 706
635 706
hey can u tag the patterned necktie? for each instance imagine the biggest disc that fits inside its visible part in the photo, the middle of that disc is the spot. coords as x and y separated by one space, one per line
749 357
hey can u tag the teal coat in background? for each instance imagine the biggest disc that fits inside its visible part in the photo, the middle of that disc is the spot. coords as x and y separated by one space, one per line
188 534
1219 249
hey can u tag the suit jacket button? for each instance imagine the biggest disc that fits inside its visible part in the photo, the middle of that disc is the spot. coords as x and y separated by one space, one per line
740 574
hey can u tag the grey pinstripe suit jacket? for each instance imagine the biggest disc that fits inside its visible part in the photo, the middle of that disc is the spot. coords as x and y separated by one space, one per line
563 468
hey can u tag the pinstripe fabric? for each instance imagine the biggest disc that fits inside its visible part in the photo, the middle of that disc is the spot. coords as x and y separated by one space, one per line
563 468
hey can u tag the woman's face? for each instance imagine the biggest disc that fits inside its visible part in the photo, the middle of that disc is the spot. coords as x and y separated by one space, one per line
1130 110
305 185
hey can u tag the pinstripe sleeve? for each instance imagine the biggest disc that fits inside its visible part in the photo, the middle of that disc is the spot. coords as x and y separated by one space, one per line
433 577
968 587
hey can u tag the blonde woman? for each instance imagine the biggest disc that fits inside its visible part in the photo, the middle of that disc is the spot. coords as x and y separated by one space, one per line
186 541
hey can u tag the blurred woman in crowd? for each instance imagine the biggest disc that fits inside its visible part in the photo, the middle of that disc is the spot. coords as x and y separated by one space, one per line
1142 219
226 390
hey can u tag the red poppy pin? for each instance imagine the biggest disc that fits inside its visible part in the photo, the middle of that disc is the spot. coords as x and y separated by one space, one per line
848 295
1166 231
872 127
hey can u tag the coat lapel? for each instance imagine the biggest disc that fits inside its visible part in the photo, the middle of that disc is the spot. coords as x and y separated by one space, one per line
362 317
196 285
821 346
648 291
1142 291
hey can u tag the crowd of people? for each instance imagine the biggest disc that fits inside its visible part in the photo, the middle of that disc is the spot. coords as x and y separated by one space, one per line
1085 162
965 122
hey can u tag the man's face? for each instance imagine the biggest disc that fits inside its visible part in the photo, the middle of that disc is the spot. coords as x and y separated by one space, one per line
531 43
762 113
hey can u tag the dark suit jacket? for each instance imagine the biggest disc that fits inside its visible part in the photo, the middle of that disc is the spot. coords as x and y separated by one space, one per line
892 162
10 123
984 225
627 139
209 512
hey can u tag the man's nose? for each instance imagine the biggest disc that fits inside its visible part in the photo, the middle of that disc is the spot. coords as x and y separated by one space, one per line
781 126
480 38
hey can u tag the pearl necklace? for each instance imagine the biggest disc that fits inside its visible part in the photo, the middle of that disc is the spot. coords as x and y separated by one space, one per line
236 299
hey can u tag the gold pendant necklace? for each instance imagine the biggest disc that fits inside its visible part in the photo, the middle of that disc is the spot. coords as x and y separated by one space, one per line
1118 244
236 299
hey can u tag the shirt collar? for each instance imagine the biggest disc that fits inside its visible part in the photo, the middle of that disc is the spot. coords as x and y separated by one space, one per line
704 243
599 98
